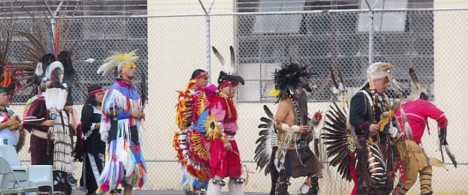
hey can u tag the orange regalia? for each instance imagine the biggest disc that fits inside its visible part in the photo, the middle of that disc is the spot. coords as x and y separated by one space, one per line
190 141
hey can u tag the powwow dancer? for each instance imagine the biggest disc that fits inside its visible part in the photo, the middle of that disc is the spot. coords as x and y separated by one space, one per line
413 116
48 116
49 123
225 158
11 131
121 126
95 148
376 129
292 157
364 145
190 141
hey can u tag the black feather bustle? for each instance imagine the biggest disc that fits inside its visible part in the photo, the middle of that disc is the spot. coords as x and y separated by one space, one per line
264 148
335 137
267 111
265 120
262 126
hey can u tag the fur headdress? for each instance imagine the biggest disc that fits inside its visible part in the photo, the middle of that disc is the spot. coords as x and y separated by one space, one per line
292 78
380 70
227 76
119 60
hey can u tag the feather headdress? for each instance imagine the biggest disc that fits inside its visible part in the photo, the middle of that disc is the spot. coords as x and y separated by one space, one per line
293 78
418 91
228 75
118 60
6 78
47 43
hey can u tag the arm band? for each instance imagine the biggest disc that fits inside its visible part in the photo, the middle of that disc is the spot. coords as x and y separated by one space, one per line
287 128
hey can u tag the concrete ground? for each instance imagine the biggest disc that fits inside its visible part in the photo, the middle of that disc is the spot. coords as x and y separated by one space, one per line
164 192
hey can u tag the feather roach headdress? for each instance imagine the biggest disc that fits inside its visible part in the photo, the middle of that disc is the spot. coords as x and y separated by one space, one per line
227 76
292 78
120 60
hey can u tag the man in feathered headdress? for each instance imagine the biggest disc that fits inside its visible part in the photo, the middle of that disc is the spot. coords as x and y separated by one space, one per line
10 131
225 158
413 119
48 120
293 156
122 114
374 131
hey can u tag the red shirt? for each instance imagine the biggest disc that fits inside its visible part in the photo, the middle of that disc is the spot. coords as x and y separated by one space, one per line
417 113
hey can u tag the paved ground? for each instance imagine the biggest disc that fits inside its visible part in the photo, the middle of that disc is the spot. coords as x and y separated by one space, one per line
163 192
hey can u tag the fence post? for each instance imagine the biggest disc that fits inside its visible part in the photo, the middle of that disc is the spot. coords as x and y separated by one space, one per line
208 36
371 34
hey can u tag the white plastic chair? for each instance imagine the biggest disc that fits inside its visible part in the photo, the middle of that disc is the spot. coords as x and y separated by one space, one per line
8 177
8 153
40 176
32 175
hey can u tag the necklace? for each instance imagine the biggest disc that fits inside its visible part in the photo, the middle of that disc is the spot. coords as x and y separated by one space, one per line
296 110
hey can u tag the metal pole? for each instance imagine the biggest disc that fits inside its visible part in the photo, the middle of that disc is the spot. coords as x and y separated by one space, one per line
371 39
371 34
208 44
208 36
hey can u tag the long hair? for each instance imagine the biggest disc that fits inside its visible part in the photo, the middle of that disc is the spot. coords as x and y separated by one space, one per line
92 98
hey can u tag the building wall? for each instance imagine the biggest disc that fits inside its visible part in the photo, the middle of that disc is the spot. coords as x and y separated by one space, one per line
167 51
450 46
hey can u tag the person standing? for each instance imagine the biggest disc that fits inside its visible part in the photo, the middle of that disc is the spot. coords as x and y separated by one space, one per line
371 166
51 135
9 123
190 141
95 148
120 128
293 156
413 116
225 158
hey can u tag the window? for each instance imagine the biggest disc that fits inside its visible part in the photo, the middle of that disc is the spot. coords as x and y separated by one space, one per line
324 40
279 23
383 21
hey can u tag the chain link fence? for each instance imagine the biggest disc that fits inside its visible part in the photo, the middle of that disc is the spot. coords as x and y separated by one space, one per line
171 47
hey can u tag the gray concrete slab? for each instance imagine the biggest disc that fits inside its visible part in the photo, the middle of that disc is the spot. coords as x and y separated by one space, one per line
164 192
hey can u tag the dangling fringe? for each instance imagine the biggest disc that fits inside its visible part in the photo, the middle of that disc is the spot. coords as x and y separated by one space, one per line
62 148
111 175
120 159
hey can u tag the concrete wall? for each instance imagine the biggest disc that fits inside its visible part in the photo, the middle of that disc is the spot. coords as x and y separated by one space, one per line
175 51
